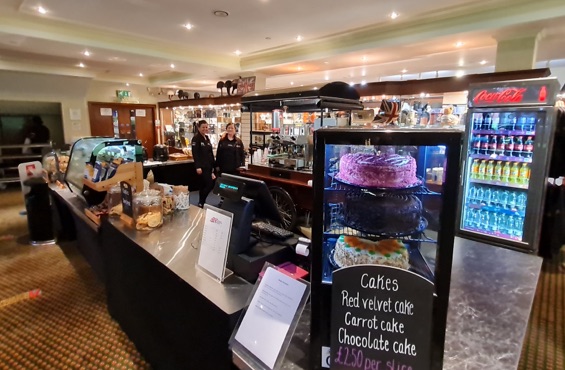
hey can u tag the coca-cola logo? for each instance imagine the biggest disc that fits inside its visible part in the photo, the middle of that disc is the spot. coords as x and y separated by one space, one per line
510 95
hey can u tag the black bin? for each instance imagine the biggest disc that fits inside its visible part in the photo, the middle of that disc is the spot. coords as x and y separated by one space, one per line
38 207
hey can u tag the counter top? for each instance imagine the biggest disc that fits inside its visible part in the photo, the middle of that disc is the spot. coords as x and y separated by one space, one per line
176 244
76 204
149 164
491 295
309 172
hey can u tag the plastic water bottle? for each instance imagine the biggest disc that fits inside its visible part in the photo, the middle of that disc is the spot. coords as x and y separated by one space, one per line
480 194
487 197
519 227
472 195
504 198
521 202
510 226
512 199
495 198
503 224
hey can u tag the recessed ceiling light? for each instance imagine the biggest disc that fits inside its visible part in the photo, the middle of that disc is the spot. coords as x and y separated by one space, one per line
363 73
81 65
352 83
326 78
86 53
221 13
363 83
299 68
461 62
41 10
298 38
458 44
326 62
393 15
460 74
188 26
292 83
172 66
315 88
237 52
141 75
364 58
422 95
404 70
483 62
127 83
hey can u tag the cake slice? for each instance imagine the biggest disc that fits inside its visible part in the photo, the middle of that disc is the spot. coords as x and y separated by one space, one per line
352 250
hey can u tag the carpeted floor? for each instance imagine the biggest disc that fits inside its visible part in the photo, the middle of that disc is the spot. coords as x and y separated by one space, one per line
69 327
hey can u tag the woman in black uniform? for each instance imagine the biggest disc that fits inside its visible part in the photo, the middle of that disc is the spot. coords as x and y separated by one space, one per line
203 161
230 154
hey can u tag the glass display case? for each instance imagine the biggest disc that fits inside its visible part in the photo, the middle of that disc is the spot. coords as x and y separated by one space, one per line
93 152
383 197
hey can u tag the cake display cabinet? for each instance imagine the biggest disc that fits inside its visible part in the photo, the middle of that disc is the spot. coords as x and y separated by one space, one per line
383 197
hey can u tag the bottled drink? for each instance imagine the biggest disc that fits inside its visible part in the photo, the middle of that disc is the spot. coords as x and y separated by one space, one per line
524 174
495 198
492 146
480 194
531 124
521 201
487 197
477 121
512 125
486 122
494 222
514 173
522 123
512 199
518 227
501 145
504 198
472 198
509 146
498 171
484 145
475 169
510 226
490 170
518 146
485 220
477 144
482 169
528 147
503 224
495 121
503 125
506 172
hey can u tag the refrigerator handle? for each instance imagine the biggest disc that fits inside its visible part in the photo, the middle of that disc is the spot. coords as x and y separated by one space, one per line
464 171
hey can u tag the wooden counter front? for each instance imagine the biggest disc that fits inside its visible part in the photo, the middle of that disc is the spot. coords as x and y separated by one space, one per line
294 182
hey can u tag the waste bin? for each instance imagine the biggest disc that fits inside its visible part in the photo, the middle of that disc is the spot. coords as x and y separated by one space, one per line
38 207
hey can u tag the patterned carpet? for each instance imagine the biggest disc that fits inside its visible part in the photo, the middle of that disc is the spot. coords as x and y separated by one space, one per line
68 326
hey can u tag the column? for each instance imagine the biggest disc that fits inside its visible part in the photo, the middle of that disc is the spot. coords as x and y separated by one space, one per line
517 51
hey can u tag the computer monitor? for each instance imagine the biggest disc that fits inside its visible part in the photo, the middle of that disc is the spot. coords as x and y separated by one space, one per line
265 207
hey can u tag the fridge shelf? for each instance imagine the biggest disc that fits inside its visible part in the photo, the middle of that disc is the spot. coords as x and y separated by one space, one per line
496 209
419 189
497 234
500 183
337 230
497 157
504 132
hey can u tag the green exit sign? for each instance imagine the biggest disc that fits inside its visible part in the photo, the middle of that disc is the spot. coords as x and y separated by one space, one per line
123 94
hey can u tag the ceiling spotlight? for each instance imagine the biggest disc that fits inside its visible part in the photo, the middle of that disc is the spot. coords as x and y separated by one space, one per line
363 83
172 66
81 65
483 62
188 26
141 75
460 74
326 62
364 58
237 52
86 53
404 70
363 73
458 44
292 83
422 95
352 83
461 62
127 83
221 13
298 38
41 10
326 78
299 68
393 15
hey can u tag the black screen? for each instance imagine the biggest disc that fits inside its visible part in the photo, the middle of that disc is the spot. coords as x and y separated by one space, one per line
265 206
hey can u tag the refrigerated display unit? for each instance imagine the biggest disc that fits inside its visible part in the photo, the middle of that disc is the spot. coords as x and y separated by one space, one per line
507 148
383 197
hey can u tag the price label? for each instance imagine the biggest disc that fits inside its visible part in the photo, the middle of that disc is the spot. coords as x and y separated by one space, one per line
127 198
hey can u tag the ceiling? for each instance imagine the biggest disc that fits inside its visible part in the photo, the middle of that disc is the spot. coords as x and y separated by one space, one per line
354 41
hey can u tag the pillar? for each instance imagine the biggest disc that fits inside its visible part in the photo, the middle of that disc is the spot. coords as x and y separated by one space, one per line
517 51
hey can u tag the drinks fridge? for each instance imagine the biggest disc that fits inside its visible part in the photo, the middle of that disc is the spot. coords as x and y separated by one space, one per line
509 135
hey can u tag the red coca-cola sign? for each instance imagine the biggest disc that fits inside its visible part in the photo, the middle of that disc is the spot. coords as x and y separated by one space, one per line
506 96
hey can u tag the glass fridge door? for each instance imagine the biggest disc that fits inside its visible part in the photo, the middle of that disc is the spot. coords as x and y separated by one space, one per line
382 206
500 158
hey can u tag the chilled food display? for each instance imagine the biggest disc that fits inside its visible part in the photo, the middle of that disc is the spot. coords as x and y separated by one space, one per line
352 250
383 213
378 171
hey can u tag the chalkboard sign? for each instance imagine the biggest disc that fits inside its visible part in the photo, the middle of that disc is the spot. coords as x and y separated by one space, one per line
127 199
381 319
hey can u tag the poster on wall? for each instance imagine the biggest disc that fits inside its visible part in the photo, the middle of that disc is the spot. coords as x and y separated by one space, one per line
381 319
245 85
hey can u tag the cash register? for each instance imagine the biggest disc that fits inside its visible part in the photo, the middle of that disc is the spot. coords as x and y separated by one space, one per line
256 236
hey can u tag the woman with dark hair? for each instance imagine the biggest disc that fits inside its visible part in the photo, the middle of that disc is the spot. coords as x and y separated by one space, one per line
230 154
203 155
